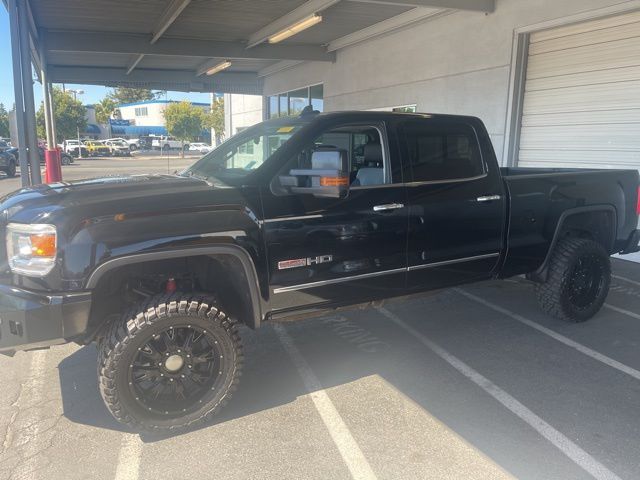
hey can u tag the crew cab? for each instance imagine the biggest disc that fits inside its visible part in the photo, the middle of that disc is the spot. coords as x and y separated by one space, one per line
289 218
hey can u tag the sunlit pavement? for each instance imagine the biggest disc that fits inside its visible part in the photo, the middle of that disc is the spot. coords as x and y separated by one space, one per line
469 383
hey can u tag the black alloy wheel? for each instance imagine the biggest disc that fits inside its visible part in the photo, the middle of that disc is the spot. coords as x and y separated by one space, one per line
175 369
171 364
577 284
586 281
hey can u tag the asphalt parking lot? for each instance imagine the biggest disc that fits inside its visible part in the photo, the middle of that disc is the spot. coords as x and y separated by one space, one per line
469 383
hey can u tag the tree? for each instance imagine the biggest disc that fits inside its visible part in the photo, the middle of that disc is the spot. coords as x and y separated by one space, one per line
215 118
184 121
4 122
69 116
122 95
104 109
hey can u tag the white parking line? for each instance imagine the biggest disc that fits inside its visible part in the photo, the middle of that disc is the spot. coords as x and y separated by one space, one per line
31 394
633 282
556 336
622 310
349 450
128 467
561 442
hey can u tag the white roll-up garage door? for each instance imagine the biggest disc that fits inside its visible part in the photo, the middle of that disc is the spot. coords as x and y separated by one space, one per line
582 96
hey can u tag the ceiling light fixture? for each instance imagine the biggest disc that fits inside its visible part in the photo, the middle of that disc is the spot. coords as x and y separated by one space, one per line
218 68
295 28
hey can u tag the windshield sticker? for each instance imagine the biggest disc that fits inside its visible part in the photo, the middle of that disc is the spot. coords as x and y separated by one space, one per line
285 129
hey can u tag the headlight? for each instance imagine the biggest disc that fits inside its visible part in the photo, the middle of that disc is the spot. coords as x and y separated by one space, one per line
31 249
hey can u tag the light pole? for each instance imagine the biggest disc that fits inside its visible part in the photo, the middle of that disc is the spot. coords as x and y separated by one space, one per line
75 97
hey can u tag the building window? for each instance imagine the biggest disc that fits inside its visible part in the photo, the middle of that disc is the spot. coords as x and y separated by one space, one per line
316 97
405 109
293 102
273 106
141 112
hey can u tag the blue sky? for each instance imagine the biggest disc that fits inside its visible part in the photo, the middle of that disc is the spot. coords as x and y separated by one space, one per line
93 94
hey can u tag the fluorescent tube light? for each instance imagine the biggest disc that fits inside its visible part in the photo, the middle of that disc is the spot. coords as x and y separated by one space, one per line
295 28
218 68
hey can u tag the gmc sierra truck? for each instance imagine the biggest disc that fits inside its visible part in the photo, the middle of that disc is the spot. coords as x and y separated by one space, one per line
289 218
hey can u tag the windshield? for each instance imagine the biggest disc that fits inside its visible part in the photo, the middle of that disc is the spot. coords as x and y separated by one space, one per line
247 150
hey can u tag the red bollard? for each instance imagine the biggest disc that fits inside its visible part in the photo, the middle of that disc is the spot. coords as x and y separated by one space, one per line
53 171
59 162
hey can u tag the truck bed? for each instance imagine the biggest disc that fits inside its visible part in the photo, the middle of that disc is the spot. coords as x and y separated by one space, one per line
539 197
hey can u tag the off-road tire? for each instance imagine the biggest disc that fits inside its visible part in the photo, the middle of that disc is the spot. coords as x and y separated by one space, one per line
555 294
120 345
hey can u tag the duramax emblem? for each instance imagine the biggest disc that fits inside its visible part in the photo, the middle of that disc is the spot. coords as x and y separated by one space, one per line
304 262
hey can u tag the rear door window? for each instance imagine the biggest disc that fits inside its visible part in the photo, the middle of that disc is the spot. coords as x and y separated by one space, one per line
438 151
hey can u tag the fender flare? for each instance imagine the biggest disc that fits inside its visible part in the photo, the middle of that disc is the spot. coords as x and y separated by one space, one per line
233 250
540 272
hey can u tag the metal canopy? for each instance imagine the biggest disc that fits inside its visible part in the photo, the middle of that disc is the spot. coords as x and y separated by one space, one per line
169 44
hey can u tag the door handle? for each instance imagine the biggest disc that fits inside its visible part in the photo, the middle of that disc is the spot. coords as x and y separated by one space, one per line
488 198
387 207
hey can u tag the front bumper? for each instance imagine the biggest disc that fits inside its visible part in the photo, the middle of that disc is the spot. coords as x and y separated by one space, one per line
633 244
30 320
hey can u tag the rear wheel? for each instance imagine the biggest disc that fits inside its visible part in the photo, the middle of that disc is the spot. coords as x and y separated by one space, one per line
171 364
133 147
578 280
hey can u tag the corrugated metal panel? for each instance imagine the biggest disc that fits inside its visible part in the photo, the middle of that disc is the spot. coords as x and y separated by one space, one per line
581 104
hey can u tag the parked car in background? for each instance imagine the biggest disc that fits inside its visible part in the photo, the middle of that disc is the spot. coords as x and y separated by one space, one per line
97 148
119 147
71 147
65 158
8 163
133 143
200 147
168 143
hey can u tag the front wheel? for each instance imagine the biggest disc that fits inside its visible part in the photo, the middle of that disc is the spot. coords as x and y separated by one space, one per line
578 280
171 364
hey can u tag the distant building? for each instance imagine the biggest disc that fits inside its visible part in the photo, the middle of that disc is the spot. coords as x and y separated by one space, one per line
150 113
144 118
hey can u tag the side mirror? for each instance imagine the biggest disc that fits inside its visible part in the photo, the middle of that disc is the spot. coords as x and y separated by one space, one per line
328 176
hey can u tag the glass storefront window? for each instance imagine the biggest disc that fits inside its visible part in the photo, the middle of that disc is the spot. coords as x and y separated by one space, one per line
298 99
316 96
292 103
405 109
273 107
284 105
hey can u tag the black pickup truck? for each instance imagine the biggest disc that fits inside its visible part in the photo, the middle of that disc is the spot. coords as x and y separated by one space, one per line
289 218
